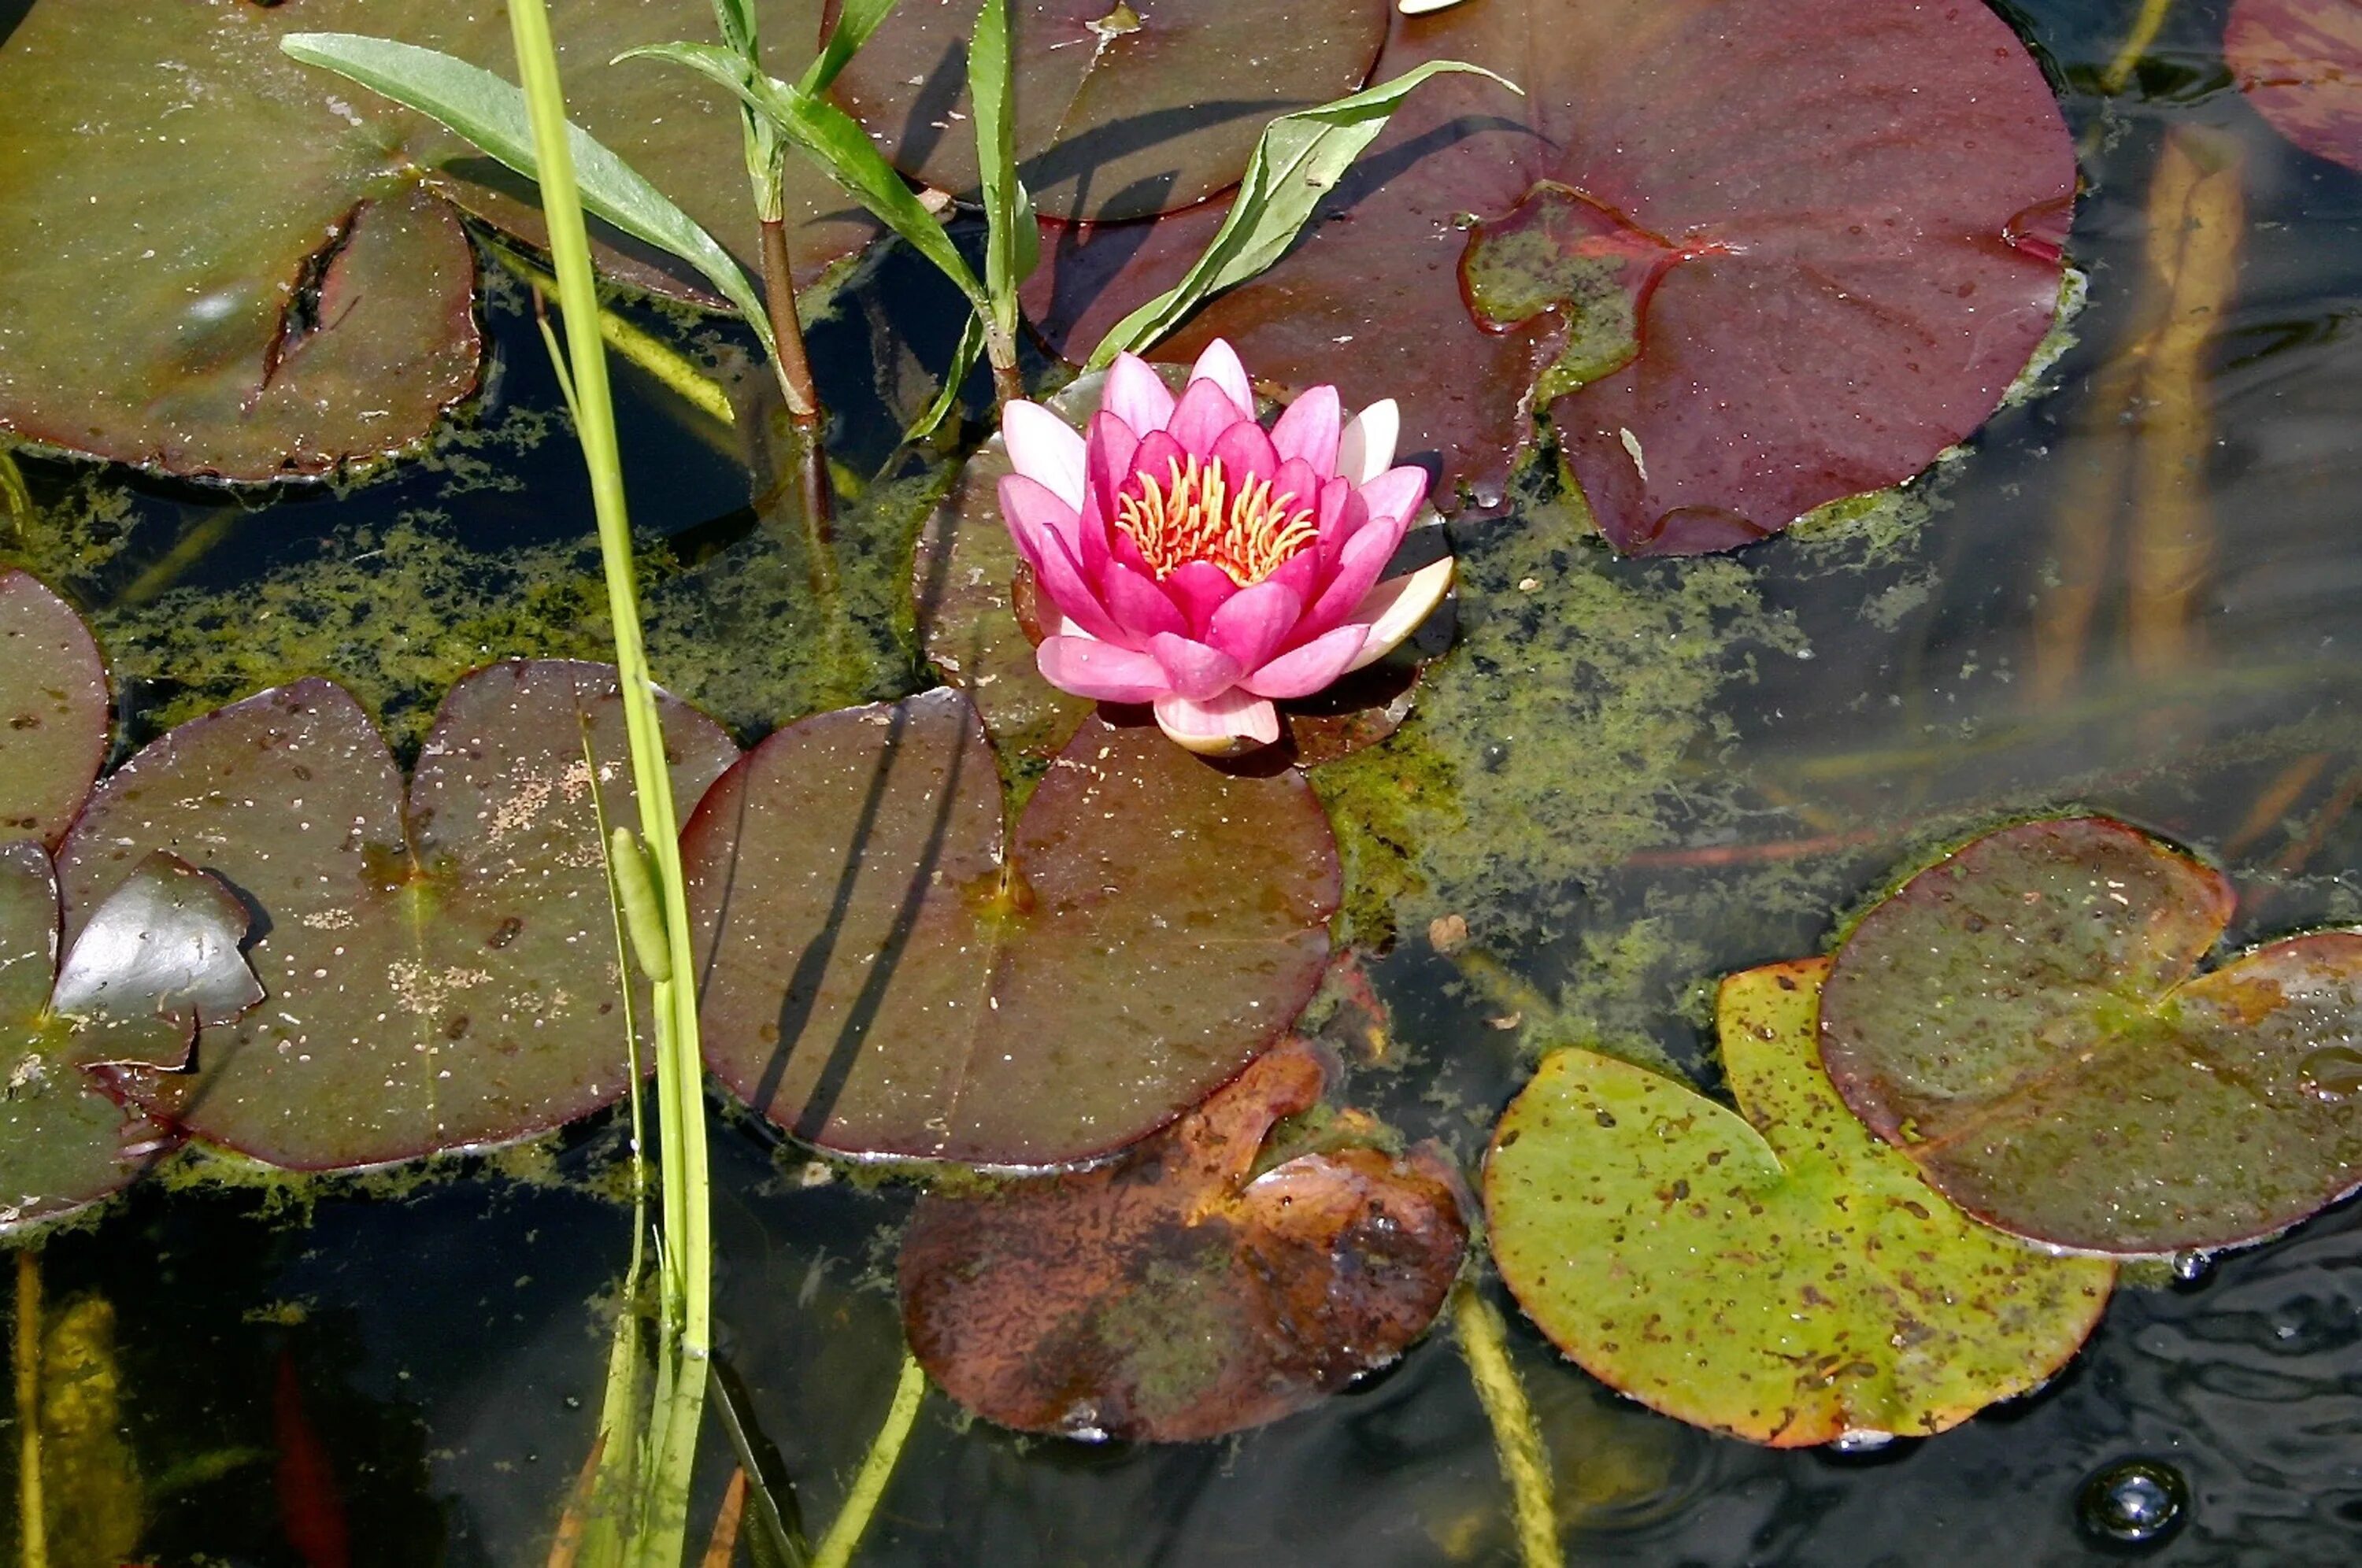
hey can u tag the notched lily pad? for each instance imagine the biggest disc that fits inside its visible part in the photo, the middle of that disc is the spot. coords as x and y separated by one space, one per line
2299 63
2024 1020
1773 1273
1182 1293
886 974
442 971
53 711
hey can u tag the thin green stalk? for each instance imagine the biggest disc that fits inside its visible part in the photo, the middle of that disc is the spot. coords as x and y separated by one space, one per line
2144 30
1525 1462
685 1275
32 1515
836 1549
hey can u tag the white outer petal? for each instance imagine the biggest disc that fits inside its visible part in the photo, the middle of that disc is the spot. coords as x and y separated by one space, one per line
1367 447
1226 726
1045 448
1396 607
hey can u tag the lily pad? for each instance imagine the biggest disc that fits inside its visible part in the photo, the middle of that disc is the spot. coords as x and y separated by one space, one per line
442 970
53 711
1182 1293
1122 110
1830 234
2299 63
1773 1273
2024 1020
889 974
214 260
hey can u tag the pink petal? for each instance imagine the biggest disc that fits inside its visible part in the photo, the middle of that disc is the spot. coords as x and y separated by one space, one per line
1312 668
1137 395
1301 574
1365 447
1059 578
1191 668
1122 547
1088 667
1032 510
1309 428
1255 621
1220 364
1396 493
1107 459
1359 565
1245 453
1204 411
1201 589
1045 448
1340 516
1159 458
1232 722
1394 609
1296 482
1139 606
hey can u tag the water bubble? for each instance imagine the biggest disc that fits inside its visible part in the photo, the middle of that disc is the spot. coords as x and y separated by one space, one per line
2136 1501
1863 1441
2191 1267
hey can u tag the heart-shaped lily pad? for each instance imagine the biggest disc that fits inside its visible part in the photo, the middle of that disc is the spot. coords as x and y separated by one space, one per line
2024 1020
1178 1294
216 260
1122 110
52 711
2299 63
1798 250
1774 1273
442 972
888 974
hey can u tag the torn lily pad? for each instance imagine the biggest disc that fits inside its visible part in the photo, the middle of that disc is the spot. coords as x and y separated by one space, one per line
53 711
1774 1273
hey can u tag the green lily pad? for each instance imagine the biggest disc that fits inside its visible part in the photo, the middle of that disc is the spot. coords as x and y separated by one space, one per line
214 260
1180 1293
2024 1020
442 970
1122 110
157 959
1773 1273
888 973
53 711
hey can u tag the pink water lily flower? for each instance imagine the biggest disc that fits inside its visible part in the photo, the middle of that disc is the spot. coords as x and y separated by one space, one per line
1202 564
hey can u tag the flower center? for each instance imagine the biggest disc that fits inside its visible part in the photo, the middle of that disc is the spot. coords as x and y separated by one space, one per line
1192 514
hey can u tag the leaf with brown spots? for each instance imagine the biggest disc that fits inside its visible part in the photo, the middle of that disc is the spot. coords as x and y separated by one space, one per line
53 711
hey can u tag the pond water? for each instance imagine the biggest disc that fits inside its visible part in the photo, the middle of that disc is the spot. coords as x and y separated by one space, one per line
1667 770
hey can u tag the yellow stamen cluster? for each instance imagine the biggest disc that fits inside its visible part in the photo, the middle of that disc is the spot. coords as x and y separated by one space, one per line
1194 515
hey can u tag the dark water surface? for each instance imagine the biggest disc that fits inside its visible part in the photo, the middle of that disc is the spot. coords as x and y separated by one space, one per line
1673 771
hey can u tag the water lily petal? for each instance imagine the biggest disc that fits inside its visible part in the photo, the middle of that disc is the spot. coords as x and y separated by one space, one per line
1394 609
1255 621
1139 606
1340 516
1220 364
1396 493
1309 428
1061 579
1366 447
1108 460
1032 509
1302 672
1160 457
1359 565
1044 447
1297 482
1090 667
1200 588
1233 722
1302 575
1193 669
1137 395
1204 411
1245 453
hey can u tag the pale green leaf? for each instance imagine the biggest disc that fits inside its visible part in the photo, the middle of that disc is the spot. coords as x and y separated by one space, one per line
971 344
1013 240
855 22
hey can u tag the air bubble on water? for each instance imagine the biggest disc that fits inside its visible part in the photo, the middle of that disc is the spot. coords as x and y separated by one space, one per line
2134 1501
1861 1441
2190 1268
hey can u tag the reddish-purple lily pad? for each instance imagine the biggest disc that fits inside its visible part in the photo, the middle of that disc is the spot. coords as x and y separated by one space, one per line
442 971
2299 63
2024 1020
886 974
1178 1294
1122 110
216 260
1830 234
53 709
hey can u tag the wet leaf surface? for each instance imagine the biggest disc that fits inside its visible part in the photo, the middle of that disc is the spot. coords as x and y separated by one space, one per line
2024 1020
214 260
1178 1294
1773 1273
156 959
888 975
2299 63
441 974
53 711
1831 237
1122 110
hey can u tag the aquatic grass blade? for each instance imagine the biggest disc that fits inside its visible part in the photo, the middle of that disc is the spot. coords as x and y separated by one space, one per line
1013 243
854 23
1300 157
964 357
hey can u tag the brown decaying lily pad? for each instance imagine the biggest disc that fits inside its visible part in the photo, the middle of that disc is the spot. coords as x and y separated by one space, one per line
441 972
1176 1293
2299 63
2024 1020
53 711
1122 110
1858 210
886 975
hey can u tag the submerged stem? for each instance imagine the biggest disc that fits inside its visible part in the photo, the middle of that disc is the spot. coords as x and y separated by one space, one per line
836 1547
779 301
1525 1462
33 1528
2144 33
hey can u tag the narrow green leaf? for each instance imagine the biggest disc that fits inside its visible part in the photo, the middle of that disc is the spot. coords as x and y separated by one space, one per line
736 20
1300 158
855 22
477 104
1013 243
971 344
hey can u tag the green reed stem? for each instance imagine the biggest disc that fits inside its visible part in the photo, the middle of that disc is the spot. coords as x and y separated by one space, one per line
1525 1461
32 1515
835 1548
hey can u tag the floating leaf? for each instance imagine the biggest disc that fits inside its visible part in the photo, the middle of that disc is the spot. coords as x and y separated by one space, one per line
52 711
1178 1294
886 975
1123 111
1773 1273
442 972
2299 63
158 958
1837 228
2024 1020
